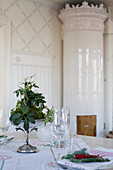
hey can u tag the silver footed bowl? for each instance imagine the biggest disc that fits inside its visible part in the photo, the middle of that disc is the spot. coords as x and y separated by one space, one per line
27 148
38 122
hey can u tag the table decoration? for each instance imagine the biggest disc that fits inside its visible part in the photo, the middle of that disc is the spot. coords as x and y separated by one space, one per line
105 153
82 156
30 111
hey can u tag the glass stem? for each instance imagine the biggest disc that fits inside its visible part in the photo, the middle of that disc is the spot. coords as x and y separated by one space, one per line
58 144
59 149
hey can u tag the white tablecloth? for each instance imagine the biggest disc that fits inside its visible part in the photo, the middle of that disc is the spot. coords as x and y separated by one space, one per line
42 160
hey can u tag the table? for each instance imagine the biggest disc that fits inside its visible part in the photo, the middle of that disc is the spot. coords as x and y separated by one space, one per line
97 141
44 159
90 140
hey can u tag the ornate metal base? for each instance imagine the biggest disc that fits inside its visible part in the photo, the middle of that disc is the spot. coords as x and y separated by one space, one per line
27 149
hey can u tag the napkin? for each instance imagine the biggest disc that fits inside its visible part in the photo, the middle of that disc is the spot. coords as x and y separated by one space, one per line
105 153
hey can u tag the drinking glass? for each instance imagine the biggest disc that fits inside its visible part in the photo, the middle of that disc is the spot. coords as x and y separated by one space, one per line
58 126
5 123
66 116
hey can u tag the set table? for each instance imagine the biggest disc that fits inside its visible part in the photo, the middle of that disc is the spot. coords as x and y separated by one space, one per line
44 159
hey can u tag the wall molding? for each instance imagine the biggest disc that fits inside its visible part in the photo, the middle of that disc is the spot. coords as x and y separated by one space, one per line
32 53
31 59
49 4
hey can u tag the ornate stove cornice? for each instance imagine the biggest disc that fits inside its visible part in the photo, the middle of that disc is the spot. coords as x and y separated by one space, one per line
84 17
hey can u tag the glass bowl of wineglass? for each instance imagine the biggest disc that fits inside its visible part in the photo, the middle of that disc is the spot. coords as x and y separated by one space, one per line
5 123
58 128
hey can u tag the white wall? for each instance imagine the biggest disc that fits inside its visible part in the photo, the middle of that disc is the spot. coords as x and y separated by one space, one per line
2 62
35 42
108 73
25 64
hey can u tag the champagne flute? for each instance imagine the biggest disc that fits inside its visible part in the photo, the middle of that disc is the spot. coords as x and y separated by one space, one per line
58 126
66 116
5 123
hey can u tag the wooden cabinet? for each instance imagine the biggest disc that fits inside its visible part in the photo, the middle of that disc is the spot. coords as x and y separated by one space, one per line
86 125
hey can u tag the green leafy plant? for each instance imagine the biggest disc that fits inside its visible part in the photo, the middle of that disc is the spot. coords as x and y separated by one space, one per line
30 105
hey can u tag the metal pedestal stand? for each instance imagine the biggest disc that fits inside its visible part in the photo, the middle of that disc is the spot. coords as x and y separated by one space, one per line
27 148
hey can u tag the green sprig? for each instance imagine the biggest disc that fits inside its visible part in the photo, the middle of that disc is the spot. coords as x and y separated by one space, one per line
71 157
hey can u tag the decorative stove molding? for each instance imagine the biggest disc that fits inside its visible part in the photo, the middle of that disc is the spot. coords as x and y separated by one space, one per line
84 17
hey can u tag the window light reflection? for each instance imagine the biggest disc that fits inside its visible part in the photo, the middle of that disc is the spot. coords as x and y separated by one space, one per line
80 69
87 59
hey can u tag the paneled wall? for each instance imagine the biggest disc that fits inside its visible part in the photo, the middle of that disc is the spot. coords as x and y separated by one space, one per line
35 47
31 25
24 65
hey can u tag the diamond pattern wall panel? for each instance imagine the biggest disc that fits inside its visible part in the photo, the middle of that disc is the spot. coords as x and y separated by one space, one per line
15 15
31 25
27 7
26 31
5 4
37 21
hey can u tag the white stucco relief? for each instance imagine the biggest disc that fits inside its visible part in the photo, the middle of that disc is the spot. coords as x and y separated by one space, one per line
83 17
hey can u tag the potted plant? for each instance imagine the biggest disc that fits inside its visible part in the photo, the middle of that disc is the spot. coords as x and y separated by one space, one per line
30 108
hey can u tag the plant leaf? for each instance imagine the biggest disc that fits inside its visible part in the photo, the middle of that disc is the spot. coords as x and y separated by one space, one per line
26 124
35 85
15 116
39 95
31 120
31 93
17 121
30 115
25 109
17 94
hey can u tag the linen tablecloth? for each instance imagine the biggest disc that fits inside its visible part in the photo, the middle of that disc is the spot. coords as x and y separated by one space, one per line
42 160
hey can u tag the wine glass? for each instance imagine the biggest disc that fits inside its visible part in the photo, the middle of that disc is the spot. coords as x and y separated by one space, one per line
5 123
58 126
66 116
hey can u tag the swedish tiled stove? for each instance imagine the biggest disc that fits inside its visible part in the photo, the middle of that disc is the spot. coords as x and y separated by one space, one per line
83 28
